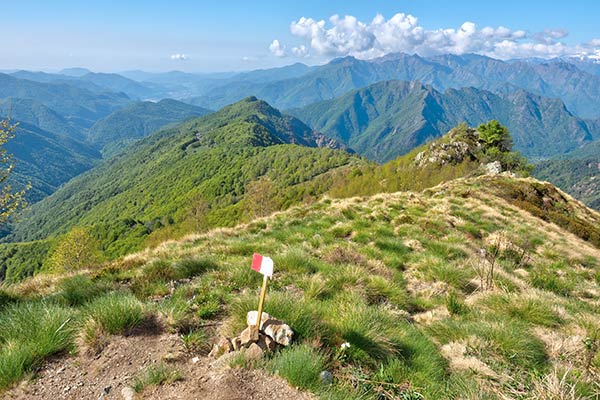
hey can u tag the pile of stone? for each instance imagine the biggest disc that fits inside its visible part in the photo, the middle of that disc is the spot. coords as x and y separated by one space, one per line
272 334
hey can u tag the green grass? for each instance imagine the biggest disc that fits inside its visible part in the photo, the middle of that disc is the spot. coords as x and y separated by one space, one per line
505 344
195 341
115 312
300 365
30 332
6 298
157 375
455 304
534 311
191 267
78 290
304 316
296 261
363 286
549 280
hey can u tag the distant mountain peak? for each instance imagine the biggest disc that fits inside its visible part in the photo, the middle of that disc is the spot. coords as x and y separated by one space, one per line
255 122
75 71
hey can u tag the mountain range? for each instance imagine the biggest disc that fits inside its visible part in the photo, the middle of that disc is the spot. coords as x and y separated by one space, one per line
578 89
155 184
390 118
61 132
379 108
138 120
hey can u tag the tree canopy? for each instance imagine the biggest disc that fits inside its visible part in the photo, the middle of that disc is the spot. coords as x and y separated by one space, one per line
496 135
10 200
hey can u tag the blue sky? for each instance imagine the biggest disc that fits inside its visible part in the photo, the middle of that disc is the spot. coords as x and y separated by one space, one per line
237 35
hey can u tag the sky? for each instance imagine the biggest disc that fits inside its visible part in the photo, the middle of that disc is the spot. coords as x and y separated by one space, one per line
232 35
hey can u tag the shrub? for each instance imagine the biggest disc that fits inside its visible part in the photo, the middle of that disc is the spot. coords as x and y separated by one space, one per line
300 365
77 249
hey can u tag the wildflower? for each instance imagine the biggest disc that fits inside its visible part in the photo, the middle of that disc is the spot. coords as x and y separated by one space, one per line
345 345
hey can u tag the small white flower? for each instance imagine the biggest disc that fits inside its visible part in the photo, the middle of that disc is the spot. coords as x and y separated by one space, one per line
345 345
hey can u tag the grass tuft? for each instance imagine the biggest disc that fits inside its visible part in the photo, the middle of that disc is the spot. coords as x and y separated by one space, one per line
160 374
300 365
191 267
29 332
78 290
116 312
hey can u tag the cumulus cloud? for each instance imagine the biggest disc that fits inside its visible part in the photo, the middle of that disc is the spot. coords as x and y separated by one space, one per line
300 51
277 49
179 57
341 36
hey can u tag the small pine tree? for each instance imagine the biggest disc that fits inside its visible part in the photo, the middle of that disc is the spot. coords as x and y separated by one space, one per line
495 135
76 250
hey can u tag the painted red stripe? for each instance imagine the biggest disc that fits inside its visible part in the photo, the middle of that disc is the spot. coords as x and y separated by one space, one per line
256 262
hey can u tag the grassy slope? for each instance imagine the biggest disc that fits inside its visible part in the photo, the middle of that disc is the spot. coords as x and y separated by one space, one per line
395 275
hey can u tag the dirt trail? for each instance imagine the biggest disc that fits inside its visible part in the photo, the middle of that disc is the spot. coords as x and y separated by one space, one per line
105 375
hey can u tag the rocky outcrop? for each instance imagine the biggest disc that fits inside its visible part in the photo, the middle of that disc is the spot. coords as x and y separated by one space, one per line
457 146
271 334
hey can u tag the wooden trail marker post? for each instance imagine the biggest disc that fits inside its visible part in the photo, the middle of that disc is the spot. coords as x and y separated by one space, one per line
264 265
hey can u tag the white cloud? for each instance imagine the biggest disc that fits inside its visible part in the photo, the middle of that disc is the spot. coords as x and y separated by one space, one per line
277 49
341 36
300 51
179 57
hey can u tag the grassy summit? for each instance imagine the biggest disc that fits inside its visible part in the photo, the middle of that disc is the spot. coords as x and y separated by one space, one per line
459 291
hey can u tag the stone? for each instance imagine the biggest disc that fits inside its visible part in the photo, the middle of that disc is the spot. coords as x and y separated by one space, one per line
254 352
326 377
195 360
278 331
236 342
248 335
223 362
172 356
266 343
493 168
127 393
223 346
251 318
